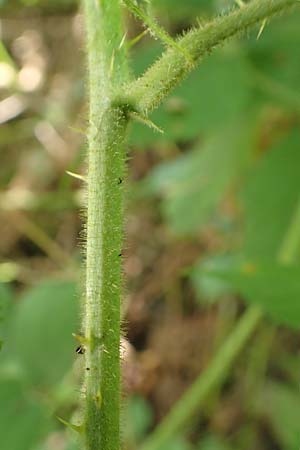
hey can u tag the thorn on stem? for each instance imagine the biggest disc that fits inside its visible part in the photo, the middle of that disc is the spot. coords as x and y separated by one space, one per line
76 175
122 41
77 428
263 24
145 121
136 39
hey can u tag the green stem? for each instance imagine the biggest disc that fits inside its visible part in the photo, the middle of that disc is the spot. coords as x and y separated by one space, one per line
108 119
148 92
106 162
212 377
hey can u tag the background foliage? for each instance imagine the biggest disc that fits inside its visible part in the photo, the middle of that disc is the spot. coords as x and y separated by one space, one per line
210 205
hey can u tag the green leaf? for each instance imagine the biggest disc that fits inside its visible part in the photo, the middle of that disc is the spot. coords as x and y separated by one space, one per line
280 404
275 287
270 198
193 185
41 333
209 287
23 422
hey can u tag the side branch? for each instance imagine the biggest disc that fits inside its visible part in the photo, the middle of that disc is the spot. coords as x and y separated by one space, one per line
148 91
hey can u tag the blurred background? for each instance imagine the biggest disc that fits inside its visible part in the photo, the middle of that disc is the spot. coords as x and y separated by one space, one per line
213 213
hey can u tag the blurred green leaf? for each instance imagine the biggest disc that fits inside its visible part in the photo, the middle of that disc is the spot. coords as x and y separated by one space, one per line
23 422
275 287
41 333
274 52
209 287
213 95
281 405
177 9
270 198
139 418
193 185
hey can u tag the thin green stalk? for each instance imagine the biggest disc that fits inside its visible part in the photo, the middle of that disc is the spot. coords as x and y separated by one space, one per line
188 406
106 161
147 92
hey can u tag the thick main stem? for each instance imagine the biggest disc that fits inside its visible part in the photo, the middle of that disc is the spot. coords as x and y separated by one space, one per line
106 165
106 160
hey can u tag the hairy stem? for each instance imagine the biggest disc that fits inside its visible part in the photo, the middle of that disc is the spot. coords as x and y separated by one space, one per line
147 92
106 161
186 408
108 119
153 26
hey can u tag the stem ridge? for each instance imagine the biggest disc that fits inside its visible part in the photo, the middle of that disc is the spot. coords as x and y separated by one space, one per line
106 165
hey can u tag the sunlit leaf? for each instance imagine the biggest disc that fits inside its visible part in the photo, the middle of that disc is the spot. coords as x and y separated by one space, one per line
270 198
